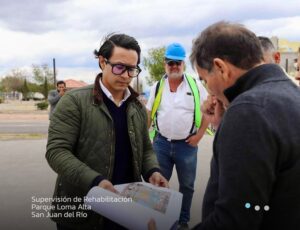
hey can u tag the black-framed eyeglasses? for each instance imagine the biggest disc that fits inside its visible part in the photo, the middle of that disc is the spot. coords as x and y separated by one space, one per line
173 62
119 69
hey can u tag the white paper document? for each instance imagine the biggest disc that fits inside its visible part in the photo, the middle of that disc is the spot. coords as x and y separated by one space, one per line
136 204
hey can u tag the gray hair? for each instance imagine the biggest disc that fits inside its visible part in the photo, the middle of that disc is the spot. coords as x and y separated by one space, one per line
266 44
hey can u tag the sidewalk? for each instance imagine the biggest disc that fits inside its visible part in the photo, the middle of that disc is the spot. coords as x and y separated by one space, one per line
17 116
21 111
23 116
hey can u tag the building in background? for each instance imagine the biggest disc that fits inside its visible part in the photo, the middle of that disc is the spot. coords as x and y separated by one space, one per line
289 52
73 84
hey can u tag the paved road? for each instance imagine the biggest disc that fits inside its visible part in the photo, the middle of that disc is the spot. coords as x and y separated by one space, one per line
24 173
25 126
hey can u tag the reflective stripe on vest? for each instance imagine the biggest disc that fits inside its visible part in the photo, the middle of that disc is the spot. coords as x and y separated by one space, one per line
195 91
158 95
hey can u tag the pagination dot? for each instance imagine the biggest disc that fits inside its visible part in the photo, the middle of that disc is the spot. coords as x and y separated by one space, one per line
247 205
257 208
267 208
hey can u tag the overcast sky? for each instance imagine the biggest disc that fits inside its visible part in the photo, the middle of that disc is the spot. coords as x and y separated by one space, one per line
35 31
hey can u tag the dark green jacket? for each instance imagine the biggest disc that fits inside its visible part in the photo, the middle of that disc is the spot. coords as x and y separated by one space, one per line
81 147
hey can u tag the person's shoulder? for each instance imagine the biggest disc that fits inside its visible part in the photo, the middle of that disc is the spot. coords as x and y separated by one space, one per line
81 90
138 105
155 84
79 94
191 76
53 91
198 83
153 88
250 97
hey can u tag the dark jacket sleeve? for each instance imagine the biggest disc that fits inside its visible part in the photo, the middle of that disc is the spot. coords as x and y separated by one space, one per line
63 133
245 156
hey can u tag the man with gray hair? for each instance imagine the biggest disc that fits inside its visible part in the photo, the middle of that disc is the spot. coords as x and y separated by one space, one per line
255 167
174 108
271 55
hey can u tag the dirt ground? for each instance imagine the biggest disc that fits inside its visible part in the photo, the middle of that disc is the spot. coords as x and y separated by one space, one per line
25 116
21 110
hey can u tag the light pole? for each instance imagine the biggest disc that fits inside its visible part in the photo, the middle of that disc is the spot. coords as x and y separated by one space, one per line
54 72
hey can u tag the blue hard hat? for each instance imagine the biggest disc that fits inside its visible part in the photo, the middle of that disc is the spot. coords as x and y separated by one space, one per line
175 51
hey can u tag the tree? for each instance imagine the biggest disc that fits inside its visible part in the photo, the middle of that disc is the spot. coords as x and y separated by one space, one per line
45 88
43 75
135 87
33 87
10 83
25 89
155 64
42 72
13 81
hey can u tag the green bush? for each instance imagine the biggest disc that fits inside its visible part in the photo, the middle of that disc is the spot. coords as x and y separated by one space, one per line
42 105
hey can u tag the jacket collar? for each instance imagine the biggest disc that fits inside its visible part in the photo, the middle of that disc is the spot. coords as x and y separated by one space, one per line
256 76
98 92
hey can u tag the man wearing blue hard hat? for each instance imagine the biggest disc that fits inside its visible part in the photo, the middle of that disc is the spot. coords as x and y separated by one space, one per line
174 108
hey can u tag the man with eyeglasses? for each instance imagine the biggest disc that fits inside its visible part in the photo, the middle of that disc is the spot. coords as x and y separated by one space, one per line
174 107
98 136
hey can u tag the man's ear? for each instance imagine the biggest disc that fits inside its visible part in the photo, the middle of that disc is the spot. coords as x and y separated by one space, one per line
221 67
276 56
102 62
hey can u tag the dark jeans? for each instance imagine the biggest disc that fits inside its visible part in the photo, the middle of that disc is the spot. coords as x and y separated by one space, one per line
184 157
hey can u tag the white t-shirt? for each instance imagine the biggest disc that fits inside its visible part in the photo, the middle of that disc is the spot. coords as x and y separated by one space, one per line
175 114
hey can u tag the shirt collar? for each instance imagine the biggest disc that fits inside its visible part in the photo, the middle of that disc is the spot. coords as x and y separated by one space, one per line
183 78
255 76
110 96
